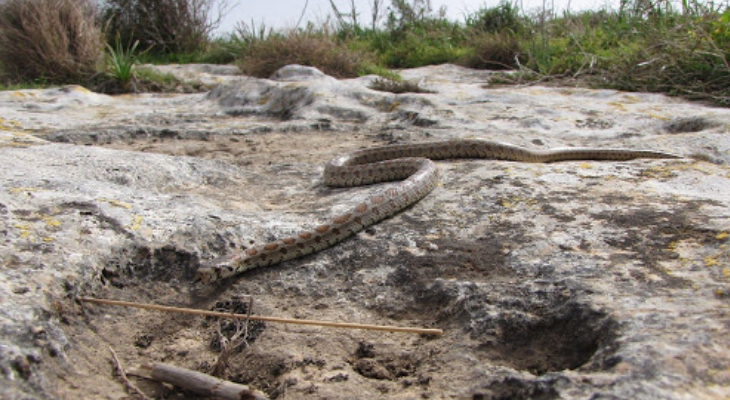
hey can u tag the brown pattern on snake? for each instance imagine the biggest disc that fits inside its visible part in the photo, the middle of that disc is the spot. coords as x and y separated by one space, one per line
408 162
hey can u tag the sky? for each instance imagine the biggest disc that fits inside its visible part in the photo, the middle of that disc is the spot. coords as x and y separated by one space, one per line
280 14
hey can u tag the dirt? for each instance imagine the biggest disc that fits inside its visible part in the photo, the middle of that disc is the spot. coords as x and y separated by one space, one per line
324 363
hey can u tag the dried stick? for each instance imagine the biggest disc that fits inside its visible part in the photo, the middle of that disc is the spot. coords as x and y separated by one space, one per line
228 345
123 377
423 331
201 383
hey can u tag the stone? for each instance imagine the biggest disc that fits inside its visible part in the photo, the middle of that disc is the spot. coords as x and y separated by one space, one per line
568 280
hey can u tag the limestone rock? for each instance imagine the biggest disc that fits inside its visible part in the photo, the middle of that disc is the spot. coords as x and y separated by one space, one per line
569 280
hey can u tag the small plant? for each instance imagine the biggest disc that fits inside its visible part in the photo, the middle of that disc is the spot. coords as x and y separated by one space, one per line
121 63
373 69
398 87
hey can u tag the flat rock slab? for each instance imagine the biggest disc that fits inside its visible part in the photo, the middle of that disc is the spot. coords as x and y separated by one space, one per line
570 280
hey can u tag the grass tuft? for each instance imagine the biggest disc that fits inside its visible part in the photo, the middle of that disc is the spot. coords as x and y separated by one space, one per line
398 86
54 41
264 56
121 63
493 51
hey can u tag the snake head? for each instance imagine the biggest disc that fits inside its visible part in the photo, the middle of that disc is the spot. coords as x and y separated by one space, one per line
215 270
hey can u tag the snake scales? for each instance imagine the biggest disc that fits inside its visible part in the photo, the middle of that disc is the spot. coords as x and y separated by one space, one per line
408 162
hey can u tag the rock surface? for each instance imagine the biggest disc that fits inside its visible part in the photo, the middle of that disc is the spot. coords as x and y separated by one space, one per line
571 280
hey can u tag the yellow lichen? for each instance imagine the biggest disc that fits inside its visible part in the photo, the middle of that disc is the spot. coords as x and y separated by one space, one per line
617 105
721 236
513 201
710 261
24 230
136 223
116 203
22 189
673 245
52 223
657 116
9 124
393 106
78 88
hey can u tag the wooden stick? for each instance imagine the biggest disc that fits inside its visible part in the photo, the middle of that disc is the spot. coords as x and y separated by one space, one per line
123 375
422 331
204 384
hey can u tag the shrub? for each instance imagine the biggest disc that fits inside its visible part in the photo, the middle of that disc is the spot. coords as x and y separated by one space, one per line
426 41
263 57
165 26
683 61
494 51
57 41
503 18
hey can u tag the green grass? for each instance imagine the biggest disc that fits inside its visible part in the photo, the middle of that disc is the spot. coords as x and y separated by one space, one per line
121 63
644 46
23 85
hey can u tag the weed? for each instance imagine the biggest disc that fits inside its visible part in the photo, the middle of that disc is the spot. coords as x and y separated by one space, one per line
398 87
374 69
56 41
121 63
262 57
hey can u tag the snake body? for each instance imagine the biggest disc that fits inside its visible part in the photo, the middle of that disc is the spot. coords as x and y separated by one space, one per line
411 163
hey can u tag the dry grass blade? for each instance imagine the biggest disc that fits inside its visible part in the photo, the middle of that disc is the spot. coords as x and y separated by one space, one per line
123 376
263 57
235 341
53 40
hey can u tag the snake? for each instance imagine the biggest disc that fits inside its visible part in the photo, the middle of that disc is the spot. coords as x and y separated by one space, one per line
413 166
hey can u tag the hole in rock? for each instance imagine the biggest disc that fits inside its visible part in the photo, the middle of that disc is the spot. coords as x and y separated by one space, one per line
563 338
513 388
155 264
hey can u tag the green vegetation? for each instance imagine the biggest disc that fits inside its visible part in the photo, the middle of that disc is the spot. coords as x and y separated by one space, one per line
163 26
646 45
398 86
121 63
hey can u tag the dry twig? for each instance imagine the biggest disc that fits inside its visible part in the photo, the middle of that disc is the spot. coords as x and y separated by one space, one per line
422 331
228 345
123 376
201 383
